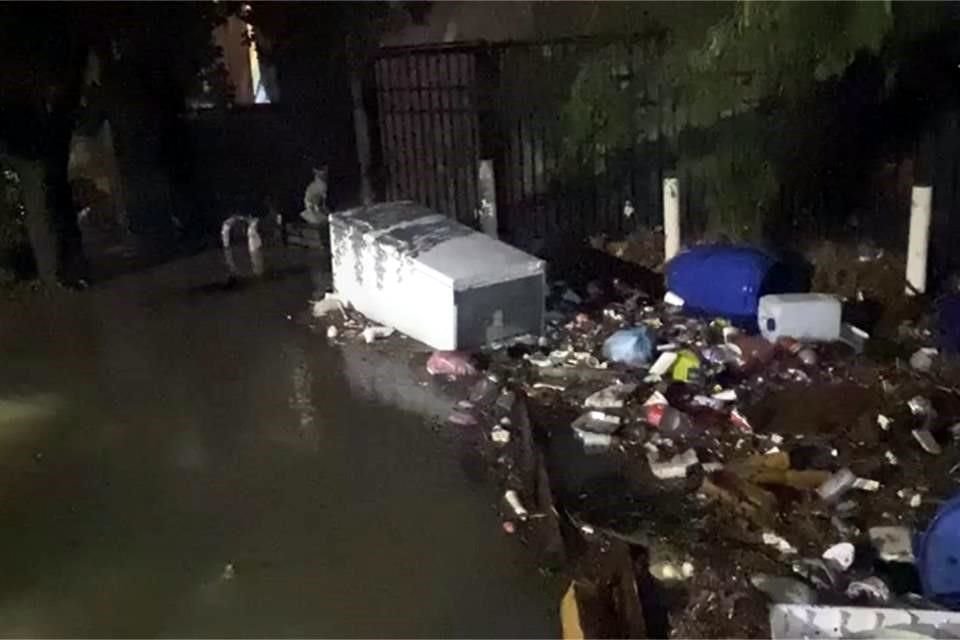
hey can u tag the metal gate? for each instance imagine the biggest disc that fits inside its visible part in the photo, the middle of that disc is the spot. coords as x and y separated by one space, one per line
428 127
442 108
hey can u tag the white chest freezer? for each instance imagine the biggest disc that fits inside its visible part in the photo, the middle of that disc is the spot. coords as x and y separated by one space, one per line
438 281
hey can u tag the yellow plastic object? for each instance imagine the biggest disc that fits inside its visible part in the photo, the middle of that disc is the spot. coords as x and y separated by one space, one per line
686 360
570 616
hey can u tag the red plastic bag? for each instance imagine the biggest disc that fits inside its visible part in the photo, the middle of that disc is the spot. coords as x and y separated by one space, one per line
451 363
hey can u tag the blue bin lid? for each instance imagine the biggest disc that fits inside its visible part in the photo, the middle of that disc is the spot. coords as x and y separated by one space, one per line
938 555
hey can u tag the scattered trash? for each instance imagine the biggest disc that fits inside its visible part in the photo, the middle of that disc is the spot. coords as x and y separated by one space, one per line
866 484
685 362
332 332
783 590
513 501
663 363
373 333
922 359
594 442
854 337
838 484
872 589
673 299
462 418
597 422
500 435
665 571
505 400
484 390
884 422
778 542
920 406
330 302
229 573
675 467
611 397
632 346
892 543
450 363
926 441
840 555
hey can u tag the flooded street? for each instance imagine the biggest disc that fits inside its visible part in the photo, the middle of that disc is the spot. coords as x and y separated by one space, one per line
179 458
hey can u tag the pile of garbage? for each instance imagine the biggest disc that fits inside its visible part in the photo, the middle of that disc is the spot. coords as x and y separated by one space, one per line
736 482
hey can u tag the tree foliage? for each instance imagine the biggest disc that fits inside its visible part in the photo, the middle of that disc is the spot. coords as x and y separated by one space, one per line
731 108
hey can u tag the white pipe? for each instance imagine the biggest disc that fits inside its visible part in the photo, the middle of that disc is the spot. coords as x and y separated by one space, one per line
487 213
919 240
671 218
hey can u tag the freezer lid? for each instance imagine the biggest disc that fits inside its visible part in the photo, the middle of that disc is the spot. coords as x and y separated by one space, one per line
441 247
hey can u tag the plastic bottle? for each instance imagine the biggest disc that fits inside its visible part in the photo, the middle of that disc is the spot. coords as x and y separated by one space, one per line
803 316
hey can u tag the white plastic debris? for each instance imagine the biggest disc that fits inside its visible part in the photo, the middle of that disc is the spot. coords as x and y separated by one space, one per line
853 336
597 422
666 571
920 406
926 441
228 573
892 543
866 484
514 501
673 299
373 333
840 555
891 457
884 422
330 302
332 332
612 397
725 395
500 435
675 467
663 363
922 359
594 442
778 542
873 589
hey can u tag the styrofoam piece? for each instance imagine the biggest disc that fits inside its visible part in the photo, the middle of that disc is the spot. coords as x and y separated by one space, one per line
808 621
408 267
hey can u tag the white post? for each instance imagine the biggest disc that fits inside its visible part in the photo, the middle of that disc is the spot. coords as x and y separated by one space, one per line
919 240
487 214
671 218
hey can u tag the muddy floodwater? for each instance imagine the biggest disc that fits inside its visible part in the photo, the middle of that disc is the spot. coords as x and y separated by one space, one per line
179 458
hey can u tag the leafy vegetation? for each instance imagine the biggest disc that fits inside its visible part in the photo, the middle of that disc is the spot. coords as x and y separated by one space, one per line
733 108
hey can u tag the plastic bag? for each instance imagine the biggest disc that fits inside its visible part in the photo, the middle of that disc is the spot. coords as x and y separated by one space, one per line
633 346
450 363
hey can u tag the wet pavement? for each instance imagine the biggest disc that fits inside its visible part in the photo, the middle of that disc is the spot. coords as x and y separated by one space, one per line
178 458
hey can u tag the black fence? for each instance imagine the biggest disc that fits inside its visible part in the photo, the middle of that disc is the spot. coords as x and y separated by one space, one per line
444 108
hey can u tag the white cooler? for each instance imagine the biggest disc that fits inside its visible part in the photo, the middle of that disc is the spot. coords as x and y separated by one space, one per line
438 281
